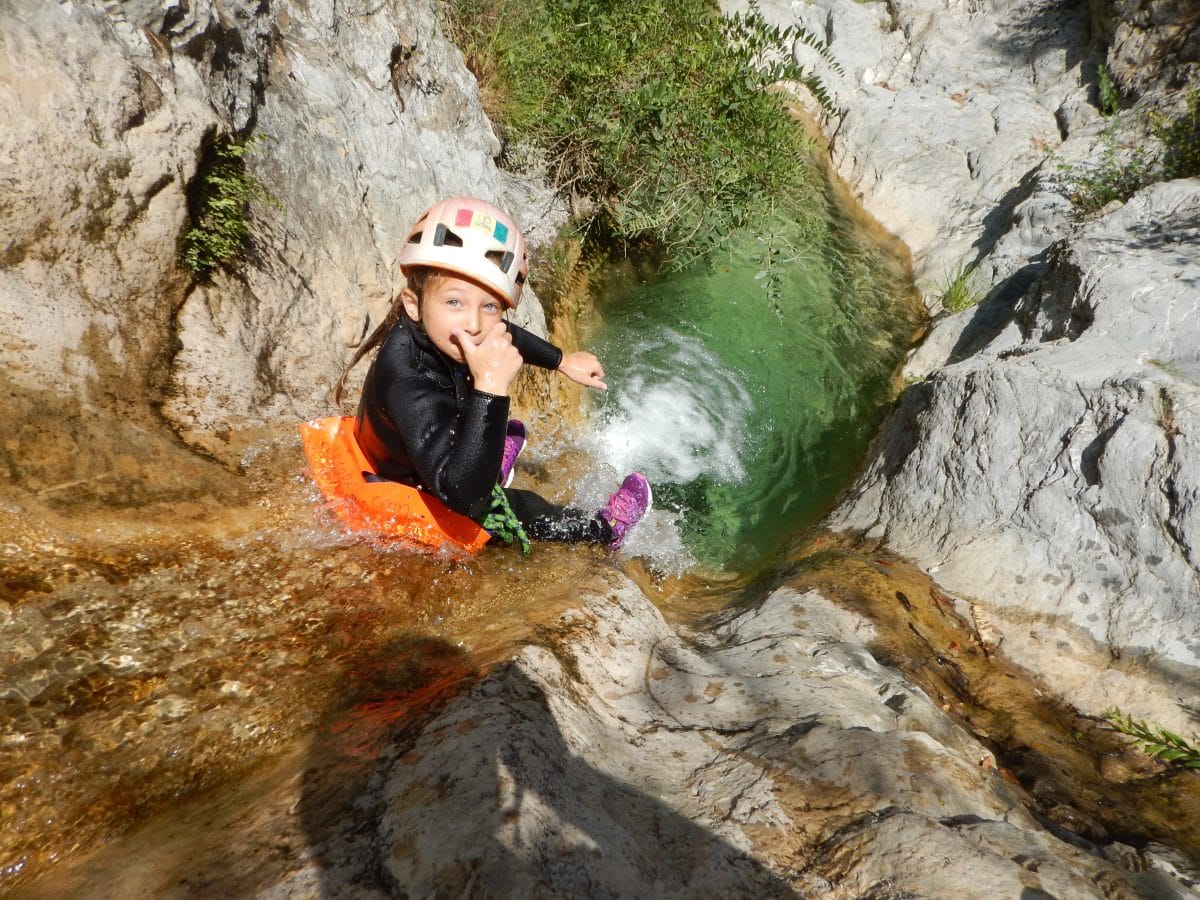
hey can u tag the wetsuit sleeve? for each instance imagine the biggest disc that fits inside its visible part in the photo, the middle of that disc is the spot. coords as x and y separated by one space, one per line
533 349
456 455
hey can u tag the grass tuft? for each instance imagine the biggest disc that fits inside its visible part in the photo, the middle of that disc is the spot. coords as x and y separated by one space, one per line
958 291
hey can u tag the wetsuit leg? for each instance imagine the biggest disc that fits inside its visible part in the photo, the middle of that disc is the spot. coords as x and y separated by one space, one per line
546 521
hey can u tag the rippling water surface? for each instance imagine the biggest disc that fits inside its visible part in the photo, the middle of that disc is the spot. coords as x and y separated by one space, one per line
747 400
148 655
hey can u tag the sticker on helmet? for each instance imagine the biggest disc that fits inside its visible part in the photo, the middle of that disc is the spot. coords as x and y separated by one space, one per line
468 218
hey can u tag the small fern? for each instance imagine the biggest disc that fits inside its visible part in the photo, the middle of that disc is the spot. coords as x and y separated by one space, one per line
771 48
1154 740
1110 95
220 226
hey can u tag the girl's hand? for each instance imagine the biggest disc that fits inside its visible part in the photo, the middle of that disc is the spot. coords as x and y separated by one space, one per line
494 362
583 368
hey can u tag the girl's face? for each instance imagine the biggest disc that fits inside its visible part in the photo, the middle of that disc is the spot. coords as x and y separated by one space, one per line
453 304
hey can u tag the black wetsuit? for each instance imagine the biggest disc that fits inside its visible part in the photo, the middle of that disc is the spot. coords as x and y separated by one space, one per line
422 423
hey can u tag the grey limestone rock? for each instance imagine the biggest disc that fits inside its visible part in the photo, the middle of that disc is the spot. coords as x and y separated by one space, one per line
1053 473
1153 43
771 757
942 112
1043 459
369 115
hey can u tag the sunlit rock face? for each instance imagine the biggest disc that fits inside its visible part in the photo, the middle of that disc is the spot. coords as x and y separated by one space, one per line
1053 474
368 116
1043 459
941 110
771 757
97 145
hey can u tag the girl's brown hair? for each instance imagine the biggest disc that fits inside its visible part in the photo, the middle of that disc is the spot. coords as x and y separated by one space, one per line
417 278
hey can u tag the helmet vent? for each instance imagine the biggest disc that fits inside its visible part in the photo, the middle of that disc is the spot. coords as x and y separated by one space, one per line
444 237
415 237
502 259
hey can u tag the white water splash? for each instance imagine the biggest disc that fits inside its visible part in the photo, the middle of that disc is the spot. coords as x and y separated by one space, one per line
676 414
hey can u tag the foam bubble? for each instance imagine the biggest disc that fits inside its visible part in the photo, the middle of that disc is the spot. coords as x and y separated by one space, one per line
678 413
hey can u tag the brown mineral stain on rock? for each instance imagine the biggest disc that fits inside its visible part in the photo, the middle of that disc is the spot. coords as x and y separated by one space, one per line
1072 769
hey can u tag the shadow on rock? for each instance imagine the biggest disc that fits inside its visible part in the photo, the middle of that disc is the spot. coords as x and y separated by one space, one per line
1036 28
1004 303
388 698
495 798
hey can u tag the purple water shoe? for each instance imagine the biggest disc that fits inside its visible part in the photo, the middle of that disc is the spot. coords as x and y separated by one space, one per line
514 443
626 507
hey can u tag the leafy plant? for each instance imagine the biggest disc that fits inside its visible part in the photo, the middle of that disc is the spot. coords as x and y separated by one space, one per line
959 292
1110 95
1155 740
1096 185
1180 138
669 117
1118 177
220 225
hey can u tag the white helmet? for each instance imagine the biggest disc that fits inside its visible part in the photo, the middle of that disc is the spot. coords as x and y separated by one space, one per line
472 238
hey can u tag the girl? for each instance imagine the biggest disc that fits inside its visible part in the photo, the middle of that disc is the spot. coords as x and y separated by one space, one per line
434 408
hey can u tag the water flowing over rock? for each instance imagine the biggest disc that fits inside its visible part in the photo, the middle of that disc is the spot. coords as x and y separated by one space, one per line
1045 462
97 144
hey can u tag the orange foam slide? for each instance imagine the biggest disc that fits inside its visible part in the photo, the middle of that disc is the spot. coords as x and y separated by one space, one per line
385 508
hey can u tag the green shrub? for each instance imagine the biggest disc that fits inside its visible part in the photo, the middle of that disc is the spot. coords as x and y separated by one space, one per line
1110 95
1155 740
668 116
1180 138
224 191
1096 185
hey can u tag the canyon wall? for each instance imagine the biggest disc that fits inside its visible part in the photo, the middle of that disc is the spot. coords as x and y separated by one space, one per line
1043 461
367 115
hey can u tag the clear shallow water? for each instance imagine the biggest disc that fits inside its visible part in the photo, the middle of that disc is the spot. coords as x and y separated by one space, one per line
155 659
749 408
149 655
